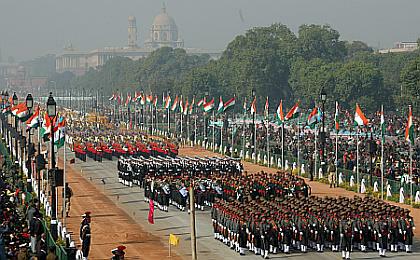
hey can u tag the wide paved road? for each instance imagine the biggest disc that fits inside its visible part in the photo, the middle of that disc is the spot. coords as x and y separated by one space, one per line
131 200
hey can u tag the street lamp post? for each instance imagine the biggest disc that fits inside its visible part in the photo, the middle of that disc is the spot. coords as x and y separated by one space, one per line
205 118
323 97
15 102
29 105
254 128
51 111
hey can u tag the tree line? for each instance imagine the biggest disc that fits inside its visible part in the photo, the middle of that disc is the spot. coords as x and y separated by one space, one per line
275 62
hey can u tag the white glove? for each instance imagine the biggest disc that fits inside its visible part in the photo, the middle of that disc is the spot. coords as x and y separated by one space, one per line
379 235
341 235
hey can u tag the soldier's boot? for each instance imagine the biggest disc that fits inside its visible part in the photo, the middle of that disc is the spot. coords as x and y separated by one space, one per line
242 251
347 254
343 254
265 254
318 247
363 248
202 208
322 248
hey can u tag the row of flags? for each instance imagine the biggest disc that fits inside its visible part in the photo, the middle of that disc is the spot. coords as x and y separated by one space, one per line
314 117
39 119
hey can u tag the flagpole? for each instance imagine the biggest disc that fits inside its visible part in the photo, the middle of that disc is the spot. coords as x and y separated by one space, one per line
268 140
152 108
221 137
411 160
315 152
336 156
243 133
195 128
382 156
298 140
357 158
282 145
233 134
181 117
64 179
213 129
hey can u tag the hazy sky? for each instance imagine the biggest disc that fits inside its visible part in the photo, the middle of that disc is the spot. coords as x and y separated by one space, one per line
31 28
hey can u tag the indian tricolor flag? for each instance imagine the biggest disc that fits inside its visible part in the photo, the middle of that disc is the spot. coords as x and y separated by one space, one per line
360 118
220 108
21 111
294 112
254 106
312 118
337 123
201 102
207 107
409 129
167 102
46 125
229 104
175 104
191 106
149 99
279 113
181 105
186 107
155 101
33 121
143 99
112 97
60 132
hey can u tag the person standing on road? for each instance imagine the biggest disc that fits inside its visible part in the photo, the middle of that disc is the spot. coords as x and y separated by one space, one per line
85 234
69 194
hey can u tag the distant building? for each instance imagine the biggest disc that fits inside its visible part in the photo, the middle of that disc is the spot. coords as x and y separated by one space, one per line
163 33
401 47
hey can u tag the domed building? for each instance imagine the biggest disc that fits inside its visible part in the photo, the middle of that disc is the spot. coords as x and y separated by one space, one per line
164 32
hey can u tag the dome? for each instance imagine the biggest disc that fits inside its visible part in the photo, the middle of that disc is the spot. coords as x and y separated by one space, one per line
163 19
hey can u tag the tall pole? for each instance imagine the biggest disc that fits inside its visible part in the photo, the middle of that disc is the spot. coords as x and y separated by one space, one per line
315 153
371 155
243 131
357 158
213 130
411 164
195 127
64 190
323 163
254 138
221 137
53 188
192 221
233 133
298 148
282 145
336 156
382 156
268 140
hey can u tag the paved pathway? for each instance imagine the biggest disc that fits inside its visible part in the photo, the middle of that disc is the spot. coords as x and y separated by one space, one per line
130 200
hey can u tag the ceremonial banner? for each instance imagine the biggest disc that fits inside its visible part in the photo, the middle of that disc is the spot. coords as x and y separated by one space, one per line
151 212
173 240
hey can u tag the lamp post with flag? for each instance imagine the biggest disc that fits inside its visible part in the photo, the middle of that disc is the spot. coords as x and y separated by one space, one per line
15 102
29 105
52 112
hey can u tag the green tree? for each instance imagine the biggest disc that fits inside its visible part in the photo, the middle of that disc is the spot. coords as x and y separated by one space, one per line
316 41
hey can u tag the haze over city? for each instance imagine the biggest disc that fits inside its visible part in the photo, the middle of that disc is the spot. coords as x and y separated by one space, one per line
30 29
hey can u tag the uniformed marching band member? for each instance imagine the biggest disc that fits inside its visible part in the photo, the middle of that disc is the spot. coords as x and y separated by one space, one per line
118 253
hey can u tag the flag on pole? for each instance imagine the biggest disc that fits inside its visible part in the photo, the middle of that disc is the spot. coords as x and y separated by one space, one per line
229 104
33 121
186 107
181 105
279 113
254 106
112 97
149 99
360 118
337 123
409 129
167 102
382 124
21 111
60 133
175 104
207 107
266 108
127 102
192 106
155 101
137 96
173 240
143 99
313 118
294 112
201 102
245 105
220 108
46 125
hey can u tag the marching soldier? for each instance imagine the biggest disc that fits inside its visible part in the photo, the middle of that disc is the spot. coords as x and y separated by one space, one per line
85 234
